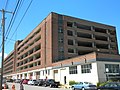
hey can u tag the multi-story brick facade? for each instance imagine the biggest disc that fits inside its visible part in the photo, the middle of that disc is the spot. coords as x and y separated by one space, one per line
57 38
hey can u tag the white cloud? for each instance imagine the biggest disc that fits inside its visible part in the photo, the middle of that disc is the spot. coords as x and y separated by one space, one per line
5 55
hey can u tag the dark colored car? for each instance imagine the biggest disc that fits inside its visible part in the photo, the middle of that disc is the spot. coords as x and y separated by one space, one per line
51 83
110 86
9 80
39 82
17 81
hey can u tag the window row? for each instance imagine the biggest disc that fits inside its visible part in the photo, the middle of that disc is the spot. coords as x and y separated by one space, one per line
91 44
38 47
38 31
84 69
29 45
112 68
90 36
10 63
9 72
30 59
87 27
30 66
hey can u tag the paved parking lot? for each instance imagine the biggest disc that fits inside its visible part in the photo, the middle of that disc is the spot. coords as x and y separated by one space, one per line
30 87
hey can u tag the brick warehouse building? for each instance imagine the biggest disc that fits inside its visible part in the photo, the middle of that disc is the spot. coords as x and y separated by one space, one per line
64 48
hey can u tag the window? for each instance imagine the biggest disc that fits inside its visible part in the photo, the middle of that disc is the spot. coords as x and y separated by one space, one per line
112 32
60 17
31 65
71 50
70 42
85 44
26 67
113 39
100 30
84 35
38 30
70 33
43 72
86 68
114 47
60 40
61 57
35 63
39 62
103 46
85 27
69 24
60 20
112 68
61 49
73 70
48 71
60 29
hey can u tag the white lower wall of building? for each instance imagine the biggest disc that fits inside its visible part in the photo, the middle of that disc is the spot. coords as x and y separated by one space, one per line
96 75
88 77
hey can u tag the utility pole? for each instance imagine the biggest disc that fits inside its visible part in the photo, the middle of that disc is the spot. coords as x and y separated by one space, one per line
3 39
3 30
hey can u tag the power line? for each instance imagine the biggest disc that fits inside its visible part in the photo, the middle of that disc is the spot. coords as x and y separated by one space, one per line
13 17
5 41
20 5
6 4
11 24
21 19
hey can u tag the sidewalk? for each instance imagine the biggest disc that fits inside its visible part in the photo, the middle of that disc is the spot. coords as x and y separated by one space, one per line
65 86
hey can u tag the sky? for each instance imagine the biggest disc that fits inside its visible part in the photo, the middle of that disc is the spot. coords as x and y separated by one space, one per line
102 11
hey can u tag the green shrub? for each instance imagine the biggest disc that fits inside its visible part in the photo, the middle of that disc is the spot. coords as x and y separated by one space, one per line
103 83
72 82
98 84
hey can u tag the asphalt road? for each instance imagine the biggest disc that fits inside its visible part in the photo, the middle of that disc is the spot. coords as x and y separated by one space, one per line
30 87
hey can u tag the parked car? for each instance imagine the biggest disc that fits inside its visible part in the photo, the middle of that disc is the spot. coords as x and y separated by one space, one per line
17 81
84 86
110 86
25 81
9 80
31 82
39 82
51 83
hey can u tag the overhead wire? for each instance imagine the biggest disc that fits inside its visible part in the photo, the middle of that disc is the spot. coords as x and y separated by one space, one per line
11 24
20 5
8 31
12 19
6 4
21 19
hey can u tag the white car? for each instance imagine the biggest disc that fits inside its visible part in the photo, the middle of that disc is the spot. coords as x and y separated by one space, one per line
31 82
84 86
